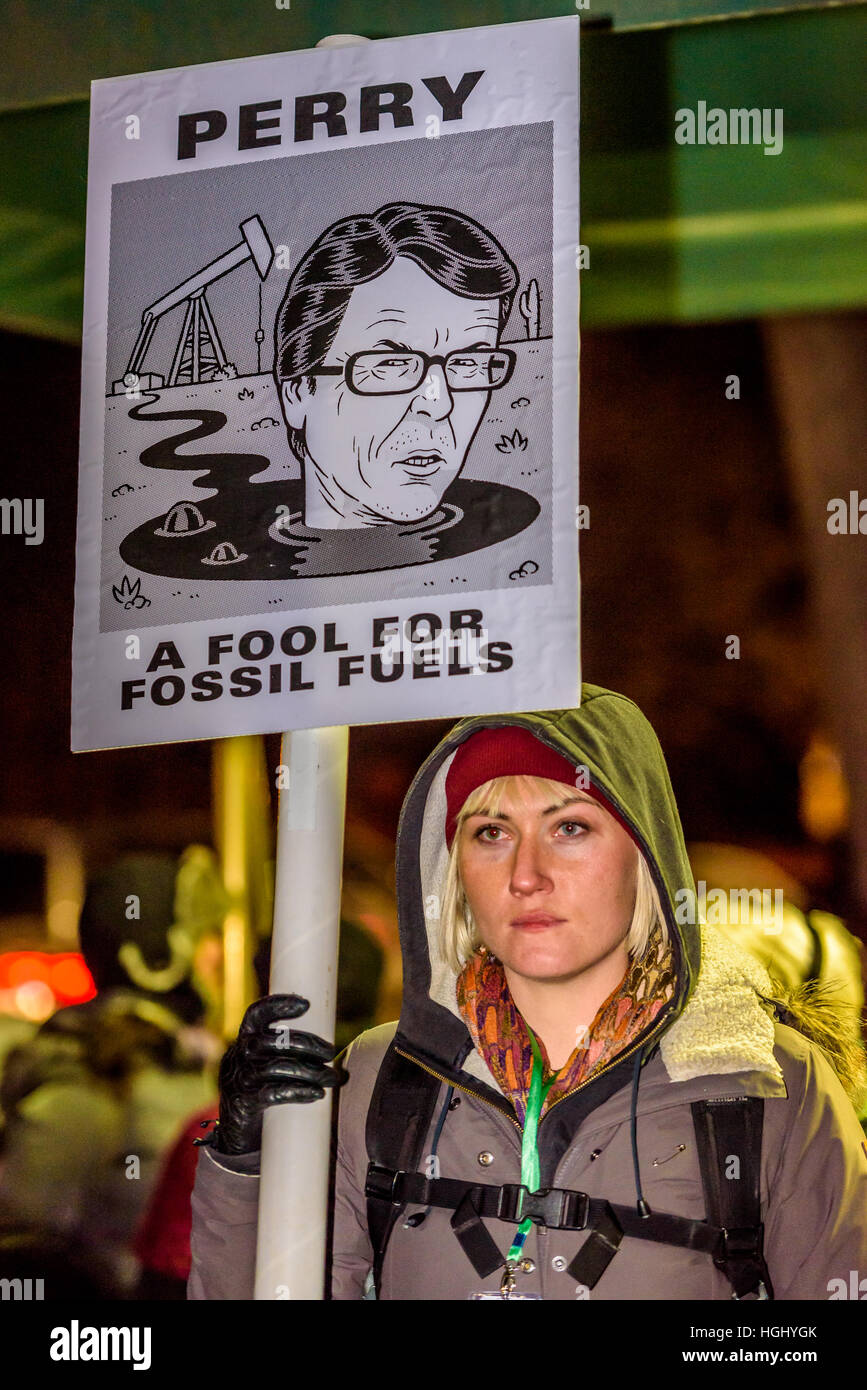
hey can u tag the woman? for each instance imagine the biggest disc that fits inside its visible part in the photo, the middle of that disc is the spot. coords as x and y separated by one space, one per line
568 1029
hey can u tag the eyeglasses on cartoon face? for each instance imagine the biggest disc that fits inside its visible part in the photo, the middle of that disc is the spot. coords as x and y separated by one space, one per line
393 373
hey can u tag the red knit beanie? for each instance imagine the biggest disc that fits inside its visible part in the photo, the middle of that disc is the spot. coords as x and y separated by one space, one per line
508 751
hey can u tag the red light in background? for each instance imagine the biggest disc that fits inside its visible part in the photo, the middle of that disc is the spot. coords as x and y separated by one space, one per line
71 979
27 966
64 972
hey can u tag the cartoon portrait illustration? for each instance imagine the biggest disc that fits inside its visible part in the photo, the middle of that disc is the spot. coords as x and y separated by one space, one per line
398 402
387 352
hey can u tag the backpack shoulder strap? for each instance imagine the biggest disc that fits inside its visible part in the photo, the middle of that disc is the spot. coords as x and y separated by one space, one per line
728 1134
398 1119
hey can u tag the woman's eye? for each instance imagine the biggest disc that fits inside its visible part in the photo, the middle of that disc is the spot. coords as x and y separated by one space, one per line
574 825
480 833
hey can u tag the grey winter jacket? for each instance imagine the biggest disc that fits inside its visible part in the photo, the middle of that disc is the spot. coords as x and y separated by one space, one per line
718 1037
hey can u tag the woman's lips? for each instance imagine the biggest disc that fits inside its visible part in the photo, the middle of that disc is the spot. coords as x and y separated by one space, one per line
537 923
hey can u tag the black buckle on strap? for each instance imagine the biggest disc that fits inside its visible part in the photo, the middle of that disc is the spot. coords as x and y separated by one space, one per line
510 1201
383 1182
559 1208
555 1207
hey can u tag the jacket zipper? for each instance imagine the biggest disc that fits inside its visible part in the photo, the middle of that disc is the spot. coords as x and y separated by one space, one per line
466 1090
621 1057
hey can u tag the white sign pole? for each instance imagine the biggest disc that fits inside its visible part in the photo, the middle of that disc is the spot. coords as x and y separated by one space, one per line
293 1200
296 1139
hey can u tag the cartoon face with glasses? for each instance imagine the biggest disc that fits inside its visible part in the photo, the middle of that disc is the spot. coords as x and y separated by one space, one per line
386 355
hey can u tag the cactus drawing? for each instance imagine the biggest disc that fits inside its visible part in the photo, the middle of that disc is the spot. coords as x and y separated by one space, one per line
528 303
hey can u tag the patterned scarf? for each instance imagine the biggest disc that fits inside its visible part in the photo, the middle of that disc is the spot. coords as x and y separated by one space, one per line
501 1035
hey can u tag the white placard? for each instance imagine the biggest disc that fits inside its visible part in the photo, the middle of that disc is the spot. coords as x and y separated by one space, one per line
329 424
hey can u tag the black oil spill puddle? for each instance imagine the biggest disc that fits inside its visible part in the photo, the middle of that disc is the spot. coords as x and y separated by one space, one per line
254 530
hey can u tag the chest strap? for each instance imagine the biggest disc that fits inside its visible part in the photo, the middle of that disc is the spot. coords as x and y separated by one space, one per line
558 1209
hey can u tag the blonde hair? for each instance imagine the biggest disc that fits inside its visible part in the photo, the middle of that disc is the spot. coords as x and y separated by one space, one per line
459 937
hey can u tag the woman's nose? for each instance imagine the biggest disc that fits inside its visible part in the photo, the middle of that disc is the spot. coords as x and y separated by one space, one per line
529 873
433 397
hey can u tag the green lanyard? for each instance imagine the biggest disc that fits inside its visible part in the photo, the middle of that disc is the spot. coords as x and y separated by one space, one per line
529 1150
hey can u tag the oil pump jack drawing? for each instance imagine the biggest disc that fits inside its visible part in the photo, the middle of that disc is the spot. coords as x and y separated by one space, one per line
199 352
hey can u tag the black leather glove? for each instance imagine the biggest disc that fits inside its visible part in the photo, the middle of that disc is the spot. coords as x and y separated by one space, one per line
266 1067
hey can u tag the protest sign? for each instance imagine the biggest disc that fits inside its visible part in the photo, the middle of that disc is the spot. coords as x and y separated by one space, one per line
330 389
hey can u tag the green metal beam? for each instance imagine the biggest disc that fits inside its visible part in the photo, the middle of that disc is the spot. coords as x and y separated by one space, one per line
675 233
53 52
684 233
